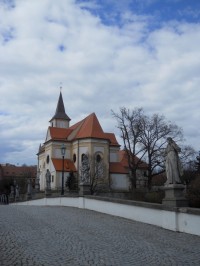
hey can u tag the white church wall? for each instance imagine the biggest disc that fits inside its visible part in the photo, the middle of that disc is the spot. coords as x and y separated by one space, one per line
48 137
75 153
61 124
57 153
53 176
82 150
113 157
98 149
42 180
59 179
119 182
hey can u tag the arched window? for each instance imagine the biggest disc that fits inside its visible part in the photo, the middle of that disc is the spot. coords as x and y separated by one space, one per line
99 165
74 157
98 158
47 160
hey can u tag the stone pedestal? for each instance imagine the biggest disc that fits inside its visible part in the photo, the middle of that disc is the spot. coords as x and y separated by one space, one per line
28 196
84 189
174 196
37 185
29 190
47 192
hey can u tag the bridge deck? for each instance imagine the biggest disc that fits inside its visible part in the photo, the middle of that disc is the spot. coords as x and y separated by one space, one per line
31 235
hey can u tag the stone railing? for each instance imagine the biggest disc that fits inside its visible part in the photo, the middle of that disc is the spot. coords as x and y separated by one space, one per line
185 219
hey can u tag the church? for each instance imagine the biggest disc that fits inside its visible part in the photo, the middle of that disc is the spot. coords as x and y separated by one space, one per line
83 138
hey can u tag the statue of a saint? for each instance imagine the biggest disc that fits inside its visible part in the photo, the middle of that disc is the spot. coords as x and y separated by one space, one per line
173 164
48 180
17 192
29 186
85 169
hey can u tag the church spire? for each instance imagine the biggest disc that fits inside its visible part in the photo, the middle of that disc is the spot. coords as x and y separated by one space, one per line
60 115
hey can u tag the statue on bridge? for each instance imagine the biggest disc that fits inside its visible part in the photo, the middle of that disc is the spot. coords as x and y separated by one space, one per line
173 165
85 170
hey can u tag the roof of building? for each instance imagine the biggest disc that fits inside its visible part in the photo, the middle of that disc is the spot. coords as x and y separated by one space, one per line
122 166
123 158
112 138
60 110
89 127
41 149
117 167
68 165
9 170
59 133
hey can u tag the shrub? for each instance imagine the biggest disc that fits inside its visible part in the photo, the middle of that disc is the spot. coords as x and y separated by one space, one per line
193 193
5 184
155 196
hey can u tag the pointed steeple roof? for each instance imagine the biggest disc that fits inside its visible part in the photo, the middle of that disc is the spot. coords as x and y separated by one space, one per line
60 110
40 147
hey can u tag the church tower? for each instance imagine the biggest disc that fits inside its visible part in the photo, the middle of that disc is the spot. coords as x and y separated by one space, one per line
60 119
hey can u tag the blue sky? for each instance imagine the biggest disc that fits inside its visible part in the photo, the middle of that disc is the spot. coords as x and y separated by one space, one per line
107 54
159 11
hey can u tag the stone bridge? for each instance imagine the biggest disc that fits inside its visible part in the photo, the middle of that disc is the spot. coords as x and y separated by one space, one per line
42 235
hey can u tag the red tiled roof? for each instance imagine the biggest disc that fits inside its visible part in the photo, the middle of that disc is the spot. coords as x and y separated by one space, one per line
118 168
18 171
122 166
68 165
59 133
112 138
124 160
75 126
90 128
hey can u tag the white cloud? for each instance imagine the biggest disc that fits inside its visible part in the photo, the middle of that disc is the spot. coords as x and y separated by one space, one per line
101 68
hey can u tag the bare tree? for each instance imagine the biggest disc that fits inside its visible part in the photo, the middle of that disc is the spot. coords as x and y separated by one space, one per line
197 163
187 157
155 130
93 171
144 138
129 123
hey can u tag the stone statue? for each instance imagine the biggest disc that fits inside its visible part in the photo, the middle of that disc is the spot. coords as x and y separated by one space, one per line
29 186
48 180
12 193
172 164
29 189
37 181
17 192
85 170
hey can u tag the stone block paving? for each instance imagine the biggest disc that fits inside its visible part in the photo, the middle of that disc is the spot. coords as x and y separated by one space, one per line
41 236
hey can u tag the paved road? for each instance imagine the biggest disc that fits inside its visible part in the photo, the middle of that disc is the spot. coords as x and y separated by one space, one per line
39 236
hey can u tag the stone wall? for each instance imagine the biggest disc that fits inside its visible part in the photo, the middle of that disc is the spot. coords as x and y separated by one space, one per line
185 220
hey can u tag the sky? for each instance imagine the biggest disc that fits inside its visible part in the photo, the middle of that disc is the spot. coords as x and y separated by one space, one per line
105 54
